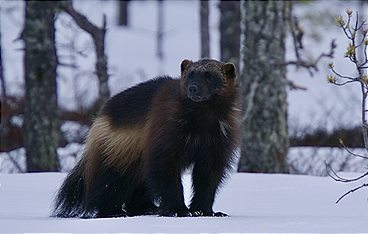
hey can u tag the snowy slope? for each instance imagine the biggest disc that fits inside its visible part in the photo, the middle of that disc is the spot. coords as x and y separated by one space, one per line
255 202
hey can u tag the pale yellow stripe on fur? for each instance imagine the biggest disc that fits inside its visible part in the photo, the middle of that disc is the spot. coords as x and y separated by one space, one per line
120 146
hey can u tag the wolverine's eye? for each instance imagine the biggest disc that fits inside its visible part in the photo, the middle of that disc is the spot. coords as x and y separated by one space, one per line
207 76
190 75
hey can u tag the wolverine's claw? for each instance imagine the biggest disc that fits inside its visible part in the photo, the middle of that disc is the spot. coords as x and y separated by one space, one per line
219 214
199 213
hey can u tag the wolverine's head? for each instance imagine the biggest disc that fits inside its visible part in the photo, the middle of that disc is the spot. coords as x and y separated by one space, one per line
203 79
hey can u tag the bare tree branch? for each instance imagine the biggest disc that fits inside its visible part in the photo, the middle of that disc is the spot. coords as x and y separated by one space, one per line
332 173
351 191
351 152
98 37
311 66
294 86
344 83
69 65
293 23
15 163
341 76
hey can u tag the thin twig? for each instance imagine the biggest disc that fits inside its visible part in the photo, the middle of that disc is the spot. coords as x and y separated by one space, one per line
344 83
351 191
361 66
15 163
346 34
351 152
338 178
69 65
360 43
294 86
310 66
344 77
348 25
292 29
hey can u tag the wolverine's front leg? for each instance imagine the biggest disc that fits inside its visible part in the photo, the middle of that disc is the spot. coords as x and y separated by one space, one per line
206 178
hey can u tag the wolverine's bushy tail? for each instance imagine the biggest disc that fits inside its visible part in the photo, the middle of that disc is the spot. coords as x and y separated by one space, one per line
69 200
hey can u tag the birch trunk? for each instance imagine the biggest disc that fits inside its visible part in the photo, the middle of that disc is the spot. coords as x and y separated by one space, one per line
41 122
264 127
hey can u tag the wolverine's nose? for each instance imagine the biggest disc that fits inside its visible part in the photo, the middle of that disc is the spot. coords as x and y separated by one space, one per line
193 89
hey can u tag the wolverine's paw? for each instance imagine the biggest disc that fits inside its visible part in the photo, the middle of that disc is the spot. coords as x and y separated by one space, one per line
199 213
219 214
166 213
150 211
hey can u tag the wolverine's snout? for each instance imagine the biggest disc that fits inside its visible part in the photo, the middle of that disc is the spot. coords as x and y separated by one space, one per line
195 93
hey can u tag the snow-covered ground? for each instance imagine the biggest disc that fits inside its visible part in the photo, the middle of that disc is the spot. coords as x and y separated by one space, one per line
255 203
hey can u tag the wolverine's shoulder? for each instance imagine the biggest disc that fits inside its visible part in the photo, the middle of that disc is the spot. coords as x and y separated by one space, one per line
131 105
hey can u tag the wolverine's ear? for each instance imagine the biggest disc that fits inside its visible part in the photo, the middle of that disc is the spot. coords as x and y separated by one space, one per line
185 64
229 70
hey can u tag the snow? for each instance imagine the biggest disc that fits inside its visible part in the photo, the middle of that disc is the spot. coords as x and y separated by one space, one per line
255 203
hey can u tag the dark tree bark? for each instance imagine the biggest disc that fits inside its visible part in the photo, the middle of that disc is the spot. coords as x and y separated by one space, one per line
264 126
41 122
123 13
160 30
5 121
204 29
230 31
2 79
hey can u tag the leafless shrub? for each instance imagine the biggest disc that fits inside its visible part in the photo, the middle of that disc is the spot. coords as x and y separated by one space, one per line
356 33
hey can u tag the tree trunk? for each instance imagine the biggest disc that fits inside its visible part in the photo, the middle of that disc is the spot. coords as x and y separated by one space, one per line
5 120
101 65
204 29
123 13
230 31
160 33
264 125
41 122
2 79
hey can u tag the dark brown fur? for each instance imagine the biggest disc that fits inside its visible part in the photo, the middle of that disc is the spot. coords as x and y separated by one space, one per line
147 135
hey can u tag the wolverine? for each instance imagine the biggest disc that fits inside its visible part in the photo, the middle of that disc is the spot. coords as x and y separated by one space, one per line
145 137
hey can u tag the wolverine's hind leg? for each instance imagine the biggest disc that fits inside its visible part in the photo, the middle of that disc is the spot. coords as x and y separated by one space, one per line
164 178
141 202
108 195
